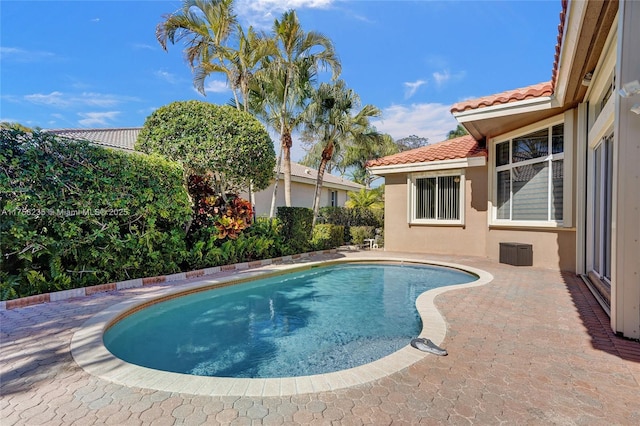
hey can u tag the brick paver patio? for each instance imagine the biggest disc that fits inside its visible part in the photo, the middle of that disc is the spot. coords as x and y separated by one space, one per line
531 347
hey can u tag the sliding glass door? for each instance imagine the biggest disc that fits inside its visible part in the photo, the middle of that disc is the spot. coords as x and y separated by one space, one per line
601 209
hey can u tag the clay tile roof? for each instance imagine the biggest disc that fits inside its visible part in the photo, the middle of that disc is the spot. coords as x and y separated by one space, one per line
529 92
462 147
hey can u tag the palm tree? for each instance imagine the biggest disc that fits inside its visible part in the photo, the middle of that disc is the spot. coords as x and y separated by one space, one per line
242 64
363 149
367 199
267 91
297 59
330 116
206 26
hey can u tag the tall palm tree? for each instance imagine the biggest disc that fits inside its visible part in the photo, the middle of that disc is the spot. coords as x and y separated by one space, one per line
300 55
205 26
332 117
241 65
362 150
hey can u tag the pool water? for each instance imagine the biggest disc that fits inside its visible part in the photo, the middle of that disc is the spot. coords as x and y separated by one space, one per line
308 322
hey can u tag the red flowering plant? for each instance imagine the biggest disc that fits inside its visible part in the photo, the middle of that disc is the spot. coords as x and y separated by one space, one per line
230 214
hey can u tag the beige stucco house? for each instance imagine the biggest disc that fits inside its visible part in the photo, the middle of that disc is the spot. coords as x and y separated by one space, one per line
303 186
554 166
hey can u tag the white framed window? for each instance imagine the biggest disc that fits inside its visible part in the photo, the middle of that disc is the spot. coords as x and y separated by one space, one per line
529 178
437 198
333 198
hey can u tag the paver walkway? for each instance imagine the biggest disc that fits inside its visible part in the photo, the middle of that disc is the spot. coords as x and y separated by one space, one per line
532 347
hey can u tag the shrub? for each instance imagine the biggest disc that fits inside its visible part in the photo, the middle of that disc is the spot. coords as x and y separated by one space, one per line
348 217
231 145
74 214
327 236
296 228
270 229
360 233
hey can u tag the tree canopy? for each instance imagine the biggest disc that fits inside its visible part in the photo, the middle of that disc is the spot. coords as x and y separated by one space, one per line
231 145
411 142
459 131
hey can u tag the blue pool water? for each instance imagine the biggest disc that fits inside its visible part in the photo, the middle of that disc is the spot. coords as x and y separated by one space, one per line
309 322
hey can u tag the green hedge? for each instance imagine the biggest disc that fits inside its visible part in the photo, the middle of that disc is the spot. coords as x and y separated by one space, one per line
296 227
349 217
327 236
360 233
74 214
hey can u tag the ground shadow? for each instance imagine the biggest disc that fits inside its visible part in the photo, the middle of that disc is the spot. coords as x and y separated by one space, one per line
597 322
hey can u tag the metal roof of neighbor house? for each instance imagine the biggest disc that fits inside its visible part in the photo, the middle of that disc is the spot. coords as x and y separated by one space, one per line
461 147
122 138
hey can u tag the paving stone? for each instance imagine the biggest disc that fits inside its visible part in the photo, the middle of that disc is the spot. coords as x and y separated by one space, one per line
499 369
257 411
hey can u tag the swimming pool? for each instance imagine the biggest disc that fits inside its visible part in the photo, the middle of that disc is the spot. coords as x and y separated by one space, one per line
308 322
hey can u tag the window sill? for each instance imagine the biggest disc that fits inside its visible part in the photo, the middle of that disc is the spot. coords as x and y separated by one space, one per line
540 226
437 223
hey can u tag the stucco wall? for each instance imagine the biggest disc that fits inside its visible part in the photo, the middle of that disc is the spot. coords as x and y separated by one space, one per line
301 196
552 248
464 240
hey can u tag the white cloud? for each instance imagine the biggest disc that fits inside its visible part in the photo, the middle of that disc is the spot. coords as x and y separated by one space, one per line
216 86
441 77
433 121
21 55
261 13
54 99
167 76
92 119
412 87
143 46
62 100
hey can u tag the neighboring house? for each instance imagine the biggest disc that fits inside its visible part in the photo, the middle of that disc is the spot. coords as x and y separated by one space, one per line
553 165
303 179
303 186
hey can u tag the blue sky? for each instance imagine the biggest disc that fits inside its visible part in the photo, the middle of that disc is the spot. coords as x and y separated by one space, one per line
86 64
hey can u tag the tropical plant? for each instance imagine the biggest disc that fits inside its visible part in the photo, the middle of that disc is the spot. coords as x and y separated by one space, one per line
204 26
331 117
364 149
284 87
370 199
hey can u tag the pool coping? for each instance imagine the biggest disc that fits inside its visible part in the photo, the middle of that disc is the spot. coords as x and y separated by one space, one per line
89 352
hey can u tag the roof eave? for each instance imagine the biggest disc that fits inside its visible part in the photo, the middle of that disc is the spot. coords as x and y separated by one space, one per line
456 163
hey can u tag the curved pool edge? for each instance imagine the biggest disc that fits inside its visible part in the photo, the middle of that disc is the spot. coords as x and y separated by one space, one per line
89 352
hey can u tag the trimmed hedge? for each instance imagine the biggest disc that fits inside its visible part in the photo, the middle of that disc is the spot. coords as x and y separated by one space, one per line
74 214
297 224
360 233
327 236
349 217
